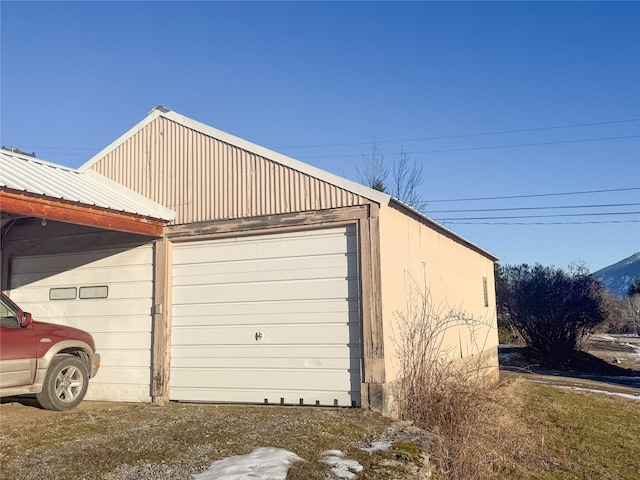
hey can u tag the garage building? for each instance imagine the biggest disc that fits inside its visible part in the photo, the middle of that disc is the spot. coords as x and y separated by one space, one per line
274 282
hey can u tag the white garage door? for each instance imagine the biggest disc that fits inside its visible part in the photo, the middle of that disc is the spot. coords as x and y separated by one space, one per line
270 318
108 294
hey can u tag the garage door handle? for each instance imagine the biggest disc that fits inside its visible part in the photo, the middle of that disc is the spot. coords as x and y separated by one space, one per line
258 336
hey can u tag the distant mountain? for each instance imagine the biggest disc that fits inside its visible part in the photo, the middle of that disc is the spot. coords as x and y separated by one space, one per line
617 278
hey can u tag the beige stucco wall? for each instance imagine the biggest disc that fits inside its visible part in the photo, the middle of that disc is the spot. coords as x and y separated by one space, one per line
417 258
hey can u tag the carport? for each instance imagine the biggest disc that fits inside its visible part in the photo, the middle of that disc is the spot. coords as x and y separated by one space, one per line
79 249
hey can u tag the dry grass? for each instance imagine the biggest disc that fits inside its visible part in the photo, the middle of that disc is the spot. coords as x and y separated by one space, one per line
586 435
480 423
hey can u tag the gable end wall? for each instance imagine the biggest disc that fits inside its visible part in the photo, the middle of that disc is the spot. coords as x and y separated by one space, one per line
205 179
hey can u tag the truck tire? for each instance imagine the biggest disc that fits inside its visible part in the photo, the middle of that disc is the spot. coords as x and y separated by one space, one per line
65 384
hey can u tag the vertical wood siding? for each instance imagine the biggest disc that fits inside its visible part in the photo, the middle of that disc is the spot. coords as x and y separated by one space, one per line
204 179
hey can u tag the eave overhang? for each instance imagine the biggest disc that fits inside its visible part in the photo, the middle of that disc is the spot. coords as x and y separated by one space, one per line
19 203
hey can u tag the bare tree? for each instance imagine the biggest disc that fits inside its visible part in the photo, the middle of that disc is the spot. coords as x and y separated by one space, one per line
372 169
406 176
631 306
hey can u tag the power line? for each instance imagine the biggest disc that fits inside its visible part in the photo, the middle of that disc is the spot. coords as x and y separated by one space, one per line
538 216
554 207
464 135
437 137
542 223
584 192
492 147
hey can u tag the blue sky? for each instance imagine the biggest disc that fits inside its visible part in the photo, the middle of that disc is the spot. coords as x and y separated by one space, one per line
316 81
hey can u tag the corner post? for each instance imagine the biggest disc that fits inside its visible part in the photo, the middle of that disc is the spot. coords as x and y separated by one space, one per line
161 330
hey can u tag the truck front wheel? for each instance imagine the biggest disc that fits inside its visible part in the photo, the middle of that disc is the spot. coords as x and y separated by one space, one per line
65 384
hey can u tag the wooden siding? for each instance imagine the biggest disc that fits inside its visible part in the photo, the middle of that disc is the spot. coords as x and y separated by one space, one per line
205 179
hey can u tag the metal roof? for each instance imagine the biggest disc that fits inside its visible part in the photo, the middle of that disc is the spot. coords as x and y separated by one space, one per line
33 176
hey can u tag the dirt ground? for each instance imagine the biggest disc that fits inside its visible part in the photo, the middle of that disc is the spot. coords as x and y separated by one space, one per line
127 441
620 350
24 412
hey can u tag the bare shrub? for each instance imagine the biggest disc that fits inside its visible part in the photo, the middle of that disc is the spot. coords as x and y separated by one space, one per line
554 310
479 421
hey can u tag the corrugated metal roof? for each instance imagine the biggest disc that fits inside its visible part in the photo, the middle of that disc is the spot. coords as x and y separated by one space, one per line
34 176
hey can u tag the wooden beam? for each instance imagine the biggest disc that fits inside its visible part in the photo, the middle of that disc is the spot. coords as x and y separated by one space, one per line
372 366
51 209
264 224
372 327
161 338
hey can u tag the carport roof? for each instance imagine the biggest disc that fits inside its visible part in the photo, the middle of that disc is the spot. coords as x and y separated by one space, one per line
26 179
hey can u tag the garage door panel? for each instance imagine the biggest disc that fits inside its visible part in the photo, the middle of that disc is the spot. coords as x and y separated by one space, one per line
120 323
205 352
215 279
38 295
122 374
344 363
115 358
80 309
125 273
182 273
307 379
65 262
250 291
309 262
264 319
301 246
267 314
112 325
339 306
224 252
118 392
277 335
289 397
121 340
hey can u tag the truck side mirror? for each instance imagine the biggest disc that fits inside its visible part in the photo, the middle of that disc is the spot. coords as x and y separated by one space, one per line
25 319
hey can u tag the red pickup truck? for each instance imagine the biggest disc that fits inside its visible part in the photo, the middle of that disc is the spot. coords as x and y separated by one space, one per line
53 361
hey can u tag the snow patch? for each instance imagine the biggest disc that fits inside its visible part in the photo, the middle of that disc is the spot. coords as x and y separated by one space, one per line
377 447
340 466
593 390
265 463
603 336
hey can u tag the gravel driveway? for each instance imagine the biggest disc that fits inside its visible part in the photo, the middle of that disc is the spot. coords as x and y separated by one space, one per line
119 441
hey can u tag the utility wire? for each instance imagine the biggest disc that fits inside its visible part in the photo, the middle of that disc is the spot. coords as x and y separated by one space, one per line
542 223
438 137
491 147
464 135
584 192
554 207
538 216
